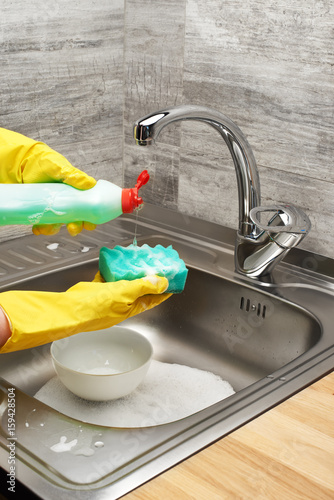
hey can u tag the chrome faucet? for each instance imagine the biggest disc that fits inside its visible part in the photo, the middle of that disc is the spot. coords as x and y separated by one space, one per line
259 246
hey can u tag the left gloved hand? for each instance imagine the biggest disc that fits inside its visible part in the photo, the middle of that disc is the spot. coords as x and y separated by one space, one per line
36 318
23 160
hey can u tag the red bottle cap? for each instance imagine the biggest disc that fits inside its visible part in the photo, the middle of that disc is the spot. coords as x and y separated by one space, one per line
130 198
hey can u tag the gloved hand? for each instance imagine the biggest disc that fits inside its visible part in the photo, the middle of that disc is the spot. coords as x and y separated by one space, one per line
37 318
23 160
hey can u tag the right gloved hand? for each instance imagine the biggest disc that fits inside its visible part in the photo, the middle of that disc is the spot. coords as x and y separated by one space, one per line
36 318
23 160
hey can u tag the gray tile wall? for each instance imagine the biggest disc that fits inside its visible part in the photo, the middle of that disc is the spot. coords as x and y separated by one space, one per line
73 73
61 80
266 65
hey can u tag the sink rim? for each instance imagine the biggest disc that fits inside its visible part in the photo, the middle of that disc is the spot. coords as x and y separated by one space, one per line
227 415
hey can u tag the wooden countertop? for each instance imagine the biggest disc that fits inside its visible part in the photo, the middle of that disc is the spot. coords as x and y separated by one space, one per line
286 453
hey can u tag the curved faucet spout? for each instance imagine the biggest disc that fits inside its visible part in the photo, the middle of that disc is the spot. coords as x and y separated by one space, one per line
147 129
257 250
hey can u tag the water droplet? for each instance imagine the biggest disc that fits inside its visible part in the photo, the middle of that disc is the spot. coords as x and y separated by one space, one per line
36 419
52 246
84 451
85 249
99 444
63 445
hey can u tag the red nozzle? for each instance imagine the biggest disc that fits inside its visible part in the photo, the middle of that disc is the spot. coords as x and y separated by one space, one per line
130 198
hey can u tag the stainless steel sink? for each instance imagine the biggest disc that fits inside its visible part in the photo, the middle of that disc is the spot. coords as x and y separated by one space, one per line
268 339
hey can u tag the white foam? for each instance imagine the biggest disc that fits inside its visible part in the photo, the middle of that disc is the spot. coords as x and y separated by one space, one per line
152 279
52 246
168 393
63 445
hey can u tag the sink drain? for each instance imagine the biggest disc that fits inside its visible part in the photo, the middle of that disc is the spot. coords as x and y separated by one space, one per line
249 306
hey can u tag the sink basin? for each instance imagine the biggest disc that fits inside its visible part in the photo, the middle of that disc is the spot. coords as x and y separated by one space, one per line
267 339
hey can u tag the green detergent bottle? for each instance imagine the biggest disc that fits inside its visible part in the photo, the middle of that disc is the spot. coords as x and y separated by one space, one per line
56 203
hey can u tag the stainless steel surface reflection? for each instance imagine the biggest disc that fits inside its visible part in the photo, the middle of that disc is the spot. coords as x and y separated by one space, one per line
268 340
257 249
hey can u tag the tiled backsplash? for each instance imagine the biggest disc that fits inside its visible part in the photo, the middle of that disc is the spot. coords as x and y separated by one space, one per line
75 72
266 65
62 80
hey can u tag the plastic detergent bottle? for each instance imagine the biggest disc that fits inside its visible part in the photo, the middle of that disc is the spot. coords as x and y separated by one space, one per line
55 203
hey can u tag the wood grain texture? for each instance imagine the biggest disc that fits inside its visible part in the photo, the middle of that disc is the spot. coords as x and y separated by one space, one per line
208 188
154 45
269 67
287 453
72 71
62 80
163 166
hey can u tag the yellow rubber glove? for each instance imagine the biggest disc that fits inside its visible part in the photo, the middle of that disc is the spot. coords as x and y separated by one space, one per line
23 160
37 318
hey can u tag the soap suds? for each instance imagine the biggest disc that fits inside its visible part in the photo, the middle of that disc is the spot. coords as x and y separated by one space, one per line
168 393
134 262
52 246
63 445
152 279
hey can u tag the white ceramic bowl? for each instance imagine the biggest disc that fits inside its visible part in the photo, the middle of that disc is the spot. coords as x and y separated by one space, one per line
103 365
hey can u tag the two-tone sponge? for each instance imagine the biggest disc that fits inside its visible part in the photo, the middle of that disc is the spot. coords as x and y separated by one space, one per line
132 262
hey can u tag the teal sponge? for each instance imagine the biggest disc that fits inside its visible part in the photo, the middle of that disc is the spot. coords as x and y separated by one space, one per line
132 262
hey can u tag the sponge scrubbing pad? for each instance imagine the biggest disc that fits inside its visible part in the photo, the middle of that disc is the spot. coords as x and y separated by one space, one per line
132 262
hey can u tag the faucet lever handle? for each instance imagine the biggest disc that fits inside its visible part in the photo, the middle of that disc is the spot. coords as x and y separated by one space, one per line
283 219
